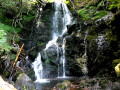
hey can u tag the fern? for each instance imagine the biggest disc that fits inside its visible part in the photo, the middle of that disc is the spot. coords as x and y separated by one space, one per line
9 28
115 4
3 42
83 13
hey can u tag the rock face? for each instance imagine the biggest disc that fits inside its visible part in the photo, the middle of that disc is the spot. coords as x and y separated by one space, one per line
40 32
93 39
6 86
24 82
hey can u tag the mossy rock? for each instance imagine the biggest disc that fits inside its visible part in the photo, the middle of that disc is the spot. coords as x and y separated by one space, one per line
117 70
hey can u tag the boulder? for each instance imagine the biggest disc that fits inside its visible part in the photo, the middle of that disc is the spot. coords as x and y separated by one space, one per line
24 82
6 86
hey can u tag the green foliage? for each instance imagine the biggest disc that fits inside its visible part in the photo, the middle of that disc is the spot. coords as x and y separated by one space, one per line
99 14
25 87
3 42
115 4
8 28
12 57
17 39
90 12
28 18
115 62
38 43
83 13
100 5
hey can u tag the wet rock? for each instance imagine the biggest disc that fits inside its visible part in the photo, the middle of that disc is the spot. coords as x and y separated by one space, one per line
6 86
23 81
43 38
74 49
105 19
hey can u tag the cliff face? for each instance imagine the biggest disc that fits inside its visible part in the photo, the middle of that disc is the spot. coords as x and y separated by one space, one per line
96 30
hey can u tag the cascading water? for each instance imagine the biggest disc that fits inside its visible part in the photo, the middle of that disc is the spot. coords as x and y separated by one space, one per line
58 19
63 56
84 67
38 68
61 18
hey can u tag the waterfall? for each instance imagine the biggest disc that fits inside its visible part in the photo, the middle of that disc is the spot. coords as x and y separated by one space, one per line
38 68
61 18
84 67
63 56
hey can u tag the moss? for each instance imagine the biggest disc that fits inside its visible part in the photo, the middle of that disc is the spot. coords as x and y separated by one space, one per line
115 62
40 43
93 2
65 81
110 36
99 14
89 37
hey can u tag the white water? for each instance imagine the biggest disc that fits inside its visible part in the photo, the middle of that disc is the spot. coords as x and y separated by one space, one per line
38 68
63 56
84 67
66 20
57 31
100 40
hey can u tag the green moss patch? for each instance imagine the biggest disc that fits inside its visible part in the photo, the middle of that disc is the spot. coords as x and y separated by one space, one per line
91 13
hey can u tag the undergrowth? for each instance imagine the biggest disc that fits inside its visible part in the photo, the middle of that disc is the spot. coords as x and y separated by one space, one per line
92 11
